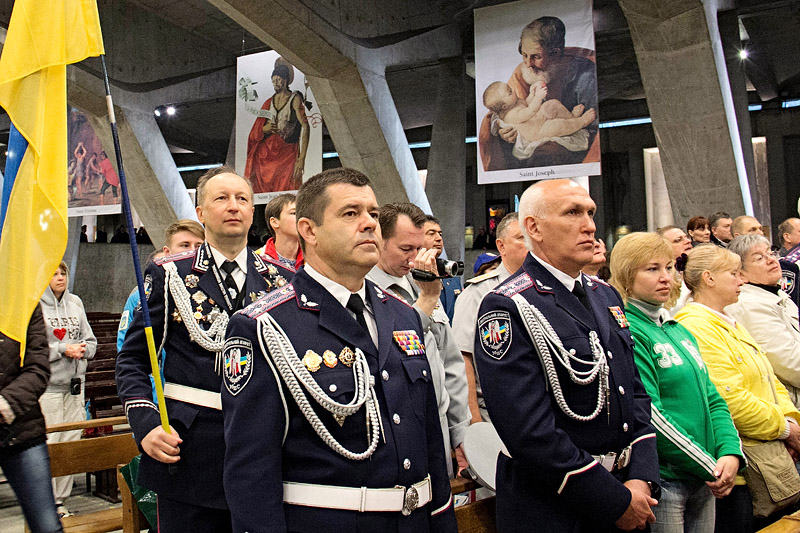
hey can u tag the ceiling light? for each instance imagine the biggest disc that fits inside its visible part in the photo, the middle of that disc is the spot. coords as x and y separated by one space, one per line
170 111
157 112
743 54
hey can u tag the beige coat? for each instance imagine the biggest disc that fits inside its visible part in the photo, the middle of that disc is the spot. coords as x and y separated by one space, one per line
773 322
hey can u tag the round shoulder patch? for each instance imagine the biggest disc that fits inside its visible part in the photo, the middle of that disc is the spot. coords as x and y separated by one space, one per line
494 329
237 360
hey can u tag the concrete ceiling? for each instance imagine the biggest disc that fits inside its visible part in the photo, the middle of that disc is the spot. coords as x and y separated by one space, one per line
152 45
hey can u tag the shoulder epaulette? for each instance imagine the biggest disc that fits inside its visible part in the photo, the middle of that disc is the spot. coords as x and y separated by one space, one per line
486 275
794 255
272 261
269 302
175 257
595 279
514 285
389 293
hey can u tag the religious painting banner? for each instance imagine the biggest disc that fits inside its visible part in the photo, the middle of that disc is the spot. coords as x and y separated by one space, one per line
92 181
536 91
278 125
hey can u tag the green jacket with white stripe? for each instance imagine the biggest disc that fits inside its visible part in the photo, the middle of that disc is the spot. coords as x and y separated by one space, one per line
692 421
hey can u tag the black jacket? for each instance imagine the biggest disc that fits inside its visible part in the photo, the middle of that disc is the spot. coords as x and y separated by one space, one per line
22 386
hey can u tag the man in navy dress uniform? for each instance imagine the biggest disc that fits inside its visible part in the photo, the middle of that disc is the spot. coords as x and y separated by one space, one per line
184 467
330 414
575 418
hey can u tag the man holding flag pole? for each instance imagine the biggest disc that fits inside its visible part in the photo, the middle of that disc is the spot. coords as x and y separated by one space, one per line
191 296
43 37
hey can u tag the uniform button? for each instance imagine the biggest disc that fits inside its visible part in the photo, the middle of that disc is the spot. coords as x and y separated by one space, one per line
610 356
385 375
425 373
396 418
622 390
333 387
572 351
407 464
625 426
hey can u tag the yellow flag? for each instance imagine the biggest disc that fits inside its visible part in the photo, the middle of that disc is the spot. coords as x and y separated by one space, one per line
43 37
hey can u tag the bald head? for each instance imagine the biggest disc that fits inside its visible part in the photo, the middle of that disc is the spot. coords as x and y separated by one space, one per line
557 217
746 225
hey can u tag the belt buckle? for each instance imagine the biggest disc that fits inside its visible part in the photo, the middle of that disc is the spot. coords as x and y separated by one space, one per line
410 500
609 460
624 457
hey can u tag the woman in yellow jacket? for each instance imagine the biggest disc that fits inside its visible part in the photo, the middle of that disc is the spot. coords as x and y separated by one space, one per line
738 368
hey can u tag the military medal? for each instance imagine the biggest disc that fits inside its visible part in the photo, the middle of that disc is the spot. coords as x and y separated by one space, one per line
176 316
312 360
191 281
198 315
280 281
252 297
272 270
409 342
330 359
347 357
340 419
199 297
619 316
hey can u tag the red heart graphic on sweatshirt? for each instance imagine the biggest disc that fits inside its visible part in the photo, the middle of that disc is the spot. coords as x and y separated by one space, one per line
59 333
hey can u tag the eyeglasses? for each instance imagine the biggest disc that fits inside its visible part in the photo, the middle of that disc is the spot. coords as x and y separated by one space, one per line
760 258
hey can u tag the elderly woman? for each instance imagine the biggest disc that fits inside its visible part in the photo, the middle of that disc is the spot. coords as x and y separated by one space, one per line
699 451
767 312
758 402
72 344
699 230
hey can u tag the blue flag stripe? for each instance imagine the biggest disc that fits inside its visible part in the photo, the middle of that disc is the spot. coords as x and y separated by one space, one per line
17 145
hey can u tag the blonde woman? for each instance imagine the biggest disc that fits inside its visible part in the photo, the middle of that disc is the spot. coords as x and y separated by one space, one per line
699 451
737 366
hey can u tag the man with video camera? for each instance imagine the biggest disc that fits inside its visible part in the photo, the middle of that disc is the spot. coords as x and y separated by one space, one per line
402 253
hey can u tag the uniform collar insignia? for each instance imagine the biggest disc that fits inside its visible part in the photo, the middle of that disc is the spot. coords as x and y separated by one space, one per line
258 263
201 259
305 301
543 286
379 293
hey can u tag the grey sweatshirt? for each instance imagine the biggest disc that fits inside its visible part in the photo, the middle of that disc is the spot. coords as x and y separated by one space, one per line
66 323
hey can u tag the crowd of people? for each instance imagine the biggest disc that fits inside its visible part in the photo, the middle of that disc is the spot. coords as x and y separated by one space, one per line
320 382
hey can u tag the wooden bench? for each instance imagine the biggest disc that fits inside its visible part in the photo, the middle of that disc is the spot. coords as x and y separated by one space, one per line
788 524
105 452
476 517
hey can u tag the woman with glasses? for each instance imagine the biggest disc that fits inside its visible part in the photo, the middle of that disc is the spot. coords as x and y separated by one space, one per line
768 313
759 404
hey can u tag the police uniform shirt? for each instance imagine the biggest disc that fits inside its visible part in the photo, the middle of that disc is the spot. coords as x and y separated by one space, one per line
342 295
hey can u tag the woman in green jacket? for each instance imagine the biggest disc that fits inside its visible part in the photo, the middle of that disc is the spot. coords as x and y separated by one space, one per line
698 447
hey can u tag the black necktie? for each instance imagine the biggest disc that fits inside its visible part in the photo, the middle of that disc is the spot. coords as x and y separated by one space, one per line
356 305
230 283
581 295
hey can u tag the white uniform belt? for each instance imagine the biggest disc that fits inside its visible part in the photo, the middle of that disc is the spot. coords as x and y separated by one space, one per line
360 499
185 394
609 460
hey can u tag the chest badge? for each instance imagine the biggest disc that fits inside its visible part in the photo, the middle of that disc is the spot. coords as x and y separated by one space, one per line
191 281
312 360
330 359
347 357
619 316
409 342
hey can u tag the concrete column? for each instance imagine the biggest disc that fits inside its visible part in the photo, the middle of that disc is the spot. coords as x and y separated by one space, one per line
349 84
681 61
735 67
446 185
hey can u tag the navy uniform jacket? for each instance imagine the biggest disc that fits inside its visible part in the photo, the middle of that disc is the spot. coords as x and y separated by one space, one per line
268 440
791 274
551 482
197 477
451 288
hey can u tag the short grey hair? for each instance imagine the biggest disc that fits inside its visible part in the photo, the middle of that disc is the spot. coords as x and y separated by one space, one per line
534 204
742 244
505 222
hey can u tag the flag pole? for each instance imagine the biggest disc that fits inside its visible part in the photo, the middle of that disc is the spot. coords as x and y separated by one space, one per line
126 207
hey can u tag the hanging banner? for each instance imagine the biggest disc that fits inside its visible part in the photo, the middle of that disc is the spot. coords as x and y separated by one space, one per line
92 177
278 126
536 91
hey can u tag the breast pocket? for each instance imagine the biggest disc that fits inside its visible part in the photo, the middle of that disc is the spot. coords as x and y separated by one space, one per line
338 385
419 377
